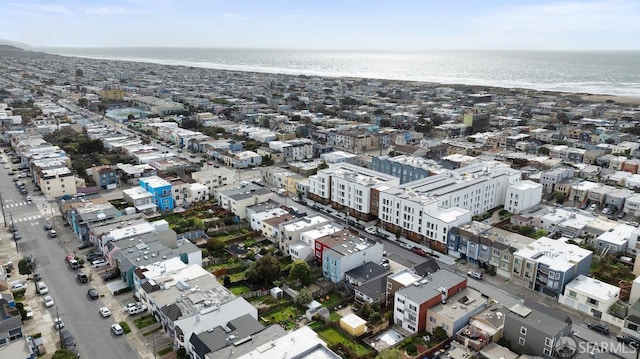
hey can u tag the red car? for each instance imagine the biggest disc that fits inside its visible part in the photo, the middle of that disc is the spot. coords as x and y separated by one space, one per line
419 252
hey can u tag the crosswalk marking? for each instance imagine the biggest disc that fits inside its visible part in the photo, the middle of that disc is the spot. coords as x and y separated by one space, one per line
18 204
30 218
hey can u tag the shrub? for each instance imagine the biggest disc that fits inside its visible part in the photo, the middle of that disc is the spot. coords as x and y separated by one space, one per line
125 327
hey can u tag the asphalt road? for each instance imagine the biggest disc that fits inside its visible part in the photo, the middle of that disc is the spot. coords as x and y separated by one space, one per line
80 314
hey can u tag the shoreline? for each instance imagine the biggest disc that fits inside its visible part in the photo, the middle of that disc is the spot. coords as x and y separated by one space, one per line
630 100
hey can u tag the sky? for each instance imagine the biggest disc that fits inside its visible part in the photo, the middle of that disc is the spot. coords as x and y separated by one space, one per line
327 24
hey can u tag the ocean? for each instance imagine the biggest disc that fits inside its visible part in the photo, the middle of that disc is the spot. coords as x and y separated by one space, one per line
593 72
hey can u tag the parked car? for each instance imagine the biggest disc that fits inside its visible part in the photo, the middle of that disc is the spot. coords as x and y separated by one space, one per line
117 329
135 308
53 233
93 256
99 263
93 293
58 323
82 277
419 251
85 245
105 312
28 311
110 275
627 339
476 275
593 207
598 327
47 227
37 277
18 286
42 288
67 340
48 301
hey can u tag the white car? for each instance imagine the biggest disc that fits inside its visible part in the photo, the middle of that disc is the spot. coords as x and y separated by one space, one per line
18 286
48 301
371 230
105 312
42 288
117 329
29 312
99 263
58 323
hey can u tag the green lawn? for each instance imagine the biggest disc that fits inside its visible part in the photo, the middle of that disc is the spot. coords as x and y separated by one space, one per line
333 336
239 290
333 299
334 317
144 321
285 316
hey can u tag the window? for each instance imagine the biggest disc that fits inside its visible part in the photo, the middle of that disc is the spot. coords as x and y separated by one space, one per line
521 341
546 351
445 327
572 294
523 331
432 319
592 301
548 342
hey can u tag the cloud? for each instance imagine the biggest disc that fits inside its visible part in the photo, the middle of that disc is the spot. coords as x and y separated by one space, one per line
43 8
230 16
106 10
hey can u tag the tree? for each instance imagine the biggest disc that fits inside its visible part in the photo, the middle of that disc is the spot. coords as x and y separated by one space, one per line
559 197
543 151
214 244
303 298
83 102
227 280
24 266
365 311
64 354
390 353
440 334
301 271
264 270
131 117
79 73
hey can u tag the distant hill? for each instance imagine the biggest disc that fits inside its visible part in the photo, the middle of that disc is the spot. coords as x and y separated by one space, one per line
15 44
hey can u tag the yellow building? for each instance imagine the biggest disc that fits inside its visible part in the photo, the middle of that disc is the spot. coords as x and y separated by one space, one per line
353 324
112 95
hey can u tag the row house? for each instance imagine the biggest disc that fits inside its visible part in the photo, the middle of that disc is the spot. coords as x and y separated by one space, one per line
426 210
291 231
141 199
244 159
547 265
347 254
350 189
160 190
105 176
294 150
454 313
213 179
632 205
319 238
238 199
82 217
131 174
548 179
55 182
413 303
484 328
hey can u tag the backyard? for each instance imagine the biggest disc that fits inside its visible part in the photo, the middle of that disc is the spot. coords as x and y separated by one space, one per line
334 336
286 317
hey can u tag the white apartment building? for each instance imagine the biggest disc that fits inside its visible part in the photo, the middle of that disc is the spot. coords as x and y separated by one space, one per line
425 210
350 188
294 150
290 231
548 179
522 196
215 178
307 243
141 199
592 297
56 182
238 199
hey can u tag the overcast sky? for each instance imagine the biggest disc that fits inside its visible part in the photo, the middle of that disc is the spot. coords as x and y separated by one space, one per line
327 24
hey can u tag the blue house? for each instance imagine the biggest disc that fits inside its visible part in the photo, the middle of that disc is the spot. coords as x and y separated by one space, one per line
160 190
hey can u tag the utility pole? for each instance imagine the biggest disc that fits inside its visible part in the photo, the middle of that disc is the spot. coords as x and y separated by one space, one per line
13 230
3 216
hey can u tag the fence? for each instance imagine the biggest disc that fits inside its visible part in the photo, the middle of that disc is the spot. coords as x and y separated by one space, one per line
255 293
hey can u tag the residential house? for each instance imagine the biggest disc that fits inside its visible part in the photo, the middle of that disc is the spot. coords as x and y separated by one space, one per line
535 330
141 199
90 213
347 255
412 303
618 239
215 178
484 328
364 273
104 176
160 191
238 199
592 297
454 313
11 328
548 179
547 265
291 231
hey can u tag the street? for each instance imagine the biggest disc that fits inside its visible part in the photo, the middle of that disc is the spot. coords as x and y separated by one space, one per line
79 313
